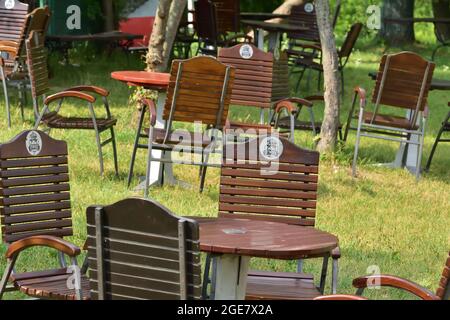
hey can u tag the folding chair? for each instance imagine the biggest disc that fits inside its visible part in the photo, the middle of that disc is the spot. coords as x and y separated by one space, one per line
138 249
13 68
445 128
271 179
402 83
37 65
199 93
35 211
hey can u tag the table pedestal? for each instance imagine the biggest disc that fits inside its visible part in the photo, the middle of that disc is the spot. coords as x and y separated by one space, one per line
231 277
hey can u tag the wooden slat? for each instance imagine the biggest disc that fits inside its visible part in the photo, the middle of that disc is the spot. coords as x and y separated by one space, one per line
34 199
34 181
17 173
36 208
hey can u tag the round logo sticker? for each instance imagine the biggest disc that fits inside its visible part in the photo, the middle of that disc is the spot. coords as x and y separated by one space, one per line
9 4
309 7
271 148
246 51
33 143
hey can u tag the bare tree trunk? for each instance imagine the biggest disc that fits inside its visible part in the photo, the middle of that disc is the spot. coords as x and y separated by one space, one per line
176 13
155 57
332 79
441 9
396 34
108 11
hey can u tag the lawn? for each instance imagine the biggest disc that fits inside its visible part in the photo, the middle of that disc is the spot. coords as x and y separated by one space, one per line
383 218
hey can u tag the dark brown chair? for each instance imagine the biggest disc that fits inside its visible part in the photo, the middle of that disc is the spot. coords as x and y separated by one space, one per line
403 82
35 211
271 179
340 297
138 249
444 128
442 292
13 67
199 92
38 73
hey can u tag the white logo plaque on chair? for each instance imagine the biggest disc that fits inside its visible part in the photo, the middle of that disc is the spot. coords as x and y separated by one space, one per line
271 148
33 143
309 7
9 4
246 51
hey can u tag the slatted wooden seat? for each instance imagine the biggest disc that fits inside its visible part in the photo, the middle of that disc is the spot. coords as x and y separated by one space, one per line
35 206
38 73
442 292
138 250
403 82
445 128
199 92
271 179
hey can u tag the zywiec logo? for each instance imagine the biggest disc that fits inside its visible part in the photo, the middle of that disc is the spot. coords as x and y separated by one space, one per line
33 143
271 148
9 4
246 51
309 7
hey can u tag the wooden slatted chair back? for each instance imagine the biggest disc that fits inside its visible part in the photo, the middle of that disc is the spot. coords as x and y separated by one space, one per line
443 290
272 180
228 15
304 14
34 187
199 91
260 79
37 64
350 41
205 20
12 20
403 81
137 249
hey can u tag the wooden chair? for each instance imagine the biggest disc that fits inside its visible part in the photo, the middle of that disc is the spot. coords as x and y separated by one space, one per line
35 211
261 81
307 62
402 83
271 179
445 128
138 249
340 297
199 92
13 68
442 292
38 73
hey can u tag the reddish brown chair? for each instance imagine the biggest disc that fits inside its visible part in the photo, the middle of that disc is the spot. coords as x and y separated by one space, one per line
282 189
35 211
444 128
37 62
442 292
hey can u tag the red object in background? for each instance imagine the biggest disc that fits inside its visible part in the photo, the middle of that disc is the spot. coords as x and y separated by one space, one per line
139 25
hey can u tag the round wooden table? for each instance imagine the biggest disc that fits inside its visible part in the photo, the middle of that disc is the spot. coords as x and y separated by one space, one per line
153 81
235 241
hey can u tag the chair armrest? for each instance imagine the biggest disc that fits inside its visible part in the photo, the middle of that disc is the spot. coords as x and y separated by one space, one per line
300 101
43 241
100 91
152 108
395 282
362 96
339 297
315 98
69 94
9 43
310 46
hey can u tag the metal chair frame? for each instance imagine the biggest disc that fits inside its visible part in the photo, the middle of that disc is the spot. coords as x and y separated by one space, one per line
444 128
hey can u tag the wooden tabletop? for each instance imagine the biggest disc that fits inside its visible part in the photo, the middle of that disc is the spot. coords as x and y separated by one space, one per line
150 80
263 239
436 84
273 27
262 15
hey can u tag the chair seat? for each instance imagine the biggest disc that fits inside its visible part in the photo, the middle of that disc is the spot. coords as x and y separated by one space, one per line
51 284
301 125
280 286
198 139
309 62
388 121
247 126
54 120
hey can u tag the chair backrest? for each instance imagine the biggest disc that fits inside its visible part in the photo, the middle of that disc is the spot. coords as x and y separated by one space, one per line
13 15
37 64
205 20
199 91
269 179
228 15
350 40
443 290
37 21
260 78
403 81
34 187
137 249
304 14
337 11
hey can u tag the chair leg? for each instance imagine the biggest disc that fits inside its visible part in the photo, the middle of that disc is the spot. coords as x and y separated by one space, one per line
206 280
203 172
8 270
323 276
300 78
358 138
21 102
149 162
114 146
349 118
300 265
433 150
419 155
136 144
100 152
334 277
5 91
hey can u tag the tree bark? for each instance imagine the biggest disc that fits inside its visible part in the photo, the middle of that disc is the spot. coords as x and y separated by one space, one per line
108 11
332 79
176 14
441 9
397 34
155 55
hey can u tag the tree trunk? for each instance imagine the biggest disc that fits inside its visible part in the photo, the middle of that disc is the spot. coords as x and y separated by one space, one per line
173 23
397 34
108 12
332 79
441 9
155 55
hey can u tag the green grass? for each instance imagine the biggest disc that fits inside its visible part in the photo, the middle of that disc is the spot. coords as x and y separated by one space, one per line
382 218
